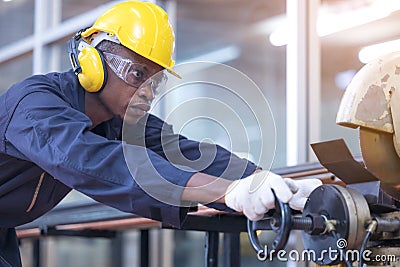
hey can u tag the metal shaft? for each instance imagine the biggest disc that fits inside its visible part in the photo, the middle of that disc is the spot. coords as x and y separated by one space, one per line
302 223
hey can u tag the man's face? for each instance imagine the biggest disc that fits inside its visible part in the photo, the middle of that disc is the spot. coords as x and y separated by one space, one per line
126 94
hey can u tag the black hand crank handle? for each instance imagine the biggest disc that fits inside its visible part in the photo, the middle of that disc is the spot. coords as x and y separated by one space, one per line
280 222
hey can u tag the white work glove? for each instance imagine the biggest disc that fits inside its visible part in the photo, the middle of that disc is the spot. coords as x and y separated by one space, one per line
253 195
301 189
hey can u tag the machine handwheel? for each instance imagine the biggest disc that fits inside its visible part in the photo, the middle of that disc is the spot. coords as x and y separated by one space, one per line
280 222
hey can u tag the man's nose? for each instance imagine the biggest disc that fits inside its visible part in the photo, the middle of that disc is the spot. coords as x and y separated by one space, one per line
146 90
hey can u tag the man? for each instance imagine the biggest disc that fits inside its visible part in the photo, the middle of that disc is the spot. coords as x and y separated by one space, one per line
62 131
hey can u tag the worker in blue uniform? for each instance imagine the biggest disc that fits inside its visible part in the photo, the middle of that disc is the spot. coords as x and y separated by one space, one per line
62 131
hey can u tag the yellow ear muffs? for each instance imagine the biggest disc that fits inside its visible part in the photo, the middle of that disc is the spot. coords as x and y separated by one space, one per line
93 74
88 64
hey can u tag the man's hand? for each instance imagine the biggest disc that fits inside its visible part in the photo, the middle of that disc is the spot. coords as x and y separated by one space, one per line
253 195
301 189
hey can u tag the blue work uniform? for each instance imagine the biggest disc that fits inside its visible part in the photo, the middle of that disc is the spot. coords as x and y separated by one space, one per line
48 147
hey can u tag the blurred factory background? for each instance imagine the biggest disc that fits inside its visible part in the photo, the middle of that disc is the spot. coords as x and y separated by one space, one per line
301 54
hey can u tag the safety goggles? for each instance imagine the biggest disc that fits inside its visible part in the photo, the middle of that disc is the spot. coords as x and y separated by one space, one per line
135 74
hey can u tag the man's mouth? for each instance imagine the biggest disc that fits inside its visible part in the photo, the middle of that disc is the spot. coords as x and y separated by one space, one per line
142 106
139 109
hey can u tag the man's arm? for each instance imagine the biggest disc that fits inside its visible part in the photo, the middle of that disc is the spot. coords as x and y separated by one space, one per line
204 188
253 195
157 135
216 169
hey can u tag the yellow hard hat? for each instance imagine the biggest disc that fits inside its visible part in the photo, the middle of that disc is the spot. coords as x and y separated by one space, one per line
142 27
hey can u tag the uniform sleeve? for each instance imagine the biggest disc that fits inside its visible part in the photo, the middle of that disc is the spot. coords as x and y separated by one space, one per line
56 137
199 156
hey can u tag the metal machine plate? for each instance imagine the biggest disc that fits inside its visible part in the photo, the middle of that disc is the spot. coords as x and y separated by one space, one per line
381 159
336 157
348 208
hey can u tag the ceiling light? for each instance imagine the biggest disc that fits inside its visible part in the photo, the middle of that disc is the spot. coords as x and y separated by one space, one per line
371 52
343 79
330 20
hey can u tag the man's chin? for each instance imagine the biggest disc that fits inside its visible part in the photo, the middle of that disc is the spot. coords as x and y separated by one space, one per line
131 119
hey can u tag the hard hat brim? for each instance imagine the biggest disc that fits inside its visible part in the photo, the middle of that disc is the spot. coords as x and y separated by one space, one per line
174 73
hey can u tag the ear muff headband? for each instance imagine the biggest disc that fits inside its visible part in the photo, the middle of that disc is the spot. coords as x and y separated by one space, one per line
88 64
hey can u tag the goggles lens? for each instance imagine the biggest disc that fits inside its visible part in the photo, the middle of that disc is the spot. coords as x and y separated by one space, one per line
135 74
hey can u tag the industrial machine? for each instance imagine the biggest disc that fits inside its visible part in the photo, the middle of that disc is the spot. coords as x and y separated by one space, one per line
358 223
